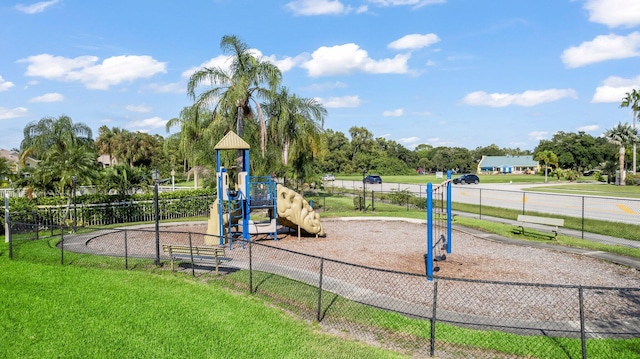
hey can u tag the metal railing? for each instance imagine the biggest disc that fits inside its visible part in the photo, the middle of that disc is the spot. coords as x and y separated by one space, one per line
444 317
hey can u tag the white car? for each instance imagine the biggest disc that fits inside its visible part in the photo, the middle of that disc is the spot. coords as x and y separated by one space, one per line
328 177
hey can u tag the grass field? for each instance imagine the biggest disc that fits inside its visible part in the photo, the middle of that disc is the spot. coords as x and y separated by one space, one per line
54 311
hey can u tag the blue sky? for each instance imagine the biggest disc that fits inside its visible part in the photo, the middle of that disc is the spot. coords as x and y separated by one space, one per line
463 73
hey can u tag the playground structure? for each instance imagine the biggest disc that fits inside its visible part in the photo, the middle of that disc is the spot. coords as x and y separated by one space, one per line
230 214
439 218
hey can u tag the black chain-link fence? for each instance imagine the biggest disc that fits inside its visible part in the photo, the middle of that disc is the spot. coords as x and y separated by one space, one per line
446 317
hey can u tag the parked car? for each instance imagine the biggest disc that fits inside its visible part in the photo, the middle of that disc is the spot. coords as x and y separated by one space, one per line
467 178
328 177
372 179
589 172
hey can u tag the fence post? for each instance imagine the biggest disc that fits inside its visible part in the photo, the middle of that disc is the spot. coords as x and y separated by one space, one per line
320 290
193 265
7 225
432 346
583 339
35 220
582 217
126 250
61 244
372 201
250 267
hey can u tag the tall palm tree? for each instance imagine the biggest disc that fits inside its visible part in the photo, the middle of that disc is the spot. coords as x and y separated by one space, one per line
194 143
53 134
235 91
294 121
622 135
632 99
548 158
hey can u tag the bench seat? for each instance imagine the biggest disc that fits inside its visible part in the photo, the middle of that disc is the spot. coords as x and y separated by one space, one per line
202 254
555 222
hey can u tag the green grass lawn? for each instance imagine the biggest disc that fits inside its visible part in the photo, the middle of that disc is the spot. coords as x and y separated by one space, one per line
590 189
55 311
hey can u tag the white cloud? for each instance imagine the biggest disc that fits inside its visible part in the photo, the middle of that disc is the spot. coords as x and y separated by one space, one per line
341 102
527 98
393 113
413 3
614 88
5 85
48 97
175 87
349 58
86 69
153 122
414 41
326 86
602 48
6 114
36 8
614 13
221 61
538 135
589 128
409 142
138 108
317 7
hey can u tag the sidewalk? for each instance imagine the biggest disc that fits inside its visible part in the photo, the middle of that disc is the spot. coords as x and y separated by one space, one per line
611 257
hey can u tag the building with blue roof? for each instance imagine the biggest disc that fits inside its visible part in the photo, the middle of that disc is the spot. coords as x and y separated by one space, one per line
508 164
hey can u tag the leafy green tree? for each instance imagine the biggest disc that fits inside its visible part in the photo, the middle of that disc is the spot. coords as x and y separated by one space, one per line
194 142
235 92
53 134
622 135
632 99
337 151
294 122
107 141
5 171
123 179
64 150
363 149
578 151
548 158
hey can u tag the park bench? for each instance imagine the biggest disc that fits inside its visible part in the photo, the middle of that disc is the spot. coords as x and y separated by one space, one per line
526 219
203 254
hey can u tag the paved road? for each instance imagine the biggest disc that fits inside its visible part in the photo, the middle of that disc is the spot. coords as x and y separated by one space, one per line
515 196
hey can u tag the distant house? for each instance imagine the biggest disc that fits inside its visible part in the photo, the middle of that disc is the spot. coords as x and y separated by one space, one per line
13 160
508 164
107 161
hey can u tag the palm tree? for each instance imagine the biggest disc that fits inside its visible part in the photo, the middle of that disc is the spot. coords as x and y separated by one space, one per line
194 145
234 91
53 134
632 99
622 135
548 158
107 141
294 121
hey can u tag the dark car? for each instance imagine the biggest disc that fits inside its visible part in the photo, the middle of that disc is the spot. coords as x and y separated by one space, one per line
372 179
468 178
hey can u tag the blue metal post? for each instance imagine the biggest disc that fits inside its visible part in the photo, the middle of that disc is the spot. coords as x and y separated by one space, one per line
449 212
246 211
220 200
429 262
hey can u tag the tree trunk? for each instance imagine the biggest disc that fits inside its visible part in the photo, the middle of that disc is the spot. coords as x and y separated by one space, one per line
285 153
